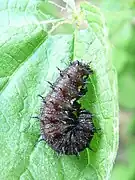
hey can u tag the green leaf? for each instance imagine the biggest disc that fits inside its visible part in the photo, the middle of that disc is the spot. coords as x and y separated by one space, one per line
29 57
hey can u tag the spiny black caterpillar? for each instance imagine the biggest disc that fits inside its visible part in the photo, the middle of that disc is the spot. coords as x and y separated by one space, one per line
65 126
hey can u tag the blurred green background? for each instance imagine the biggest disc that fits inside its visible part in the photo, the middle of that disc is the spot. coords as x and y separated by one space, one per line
120 20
